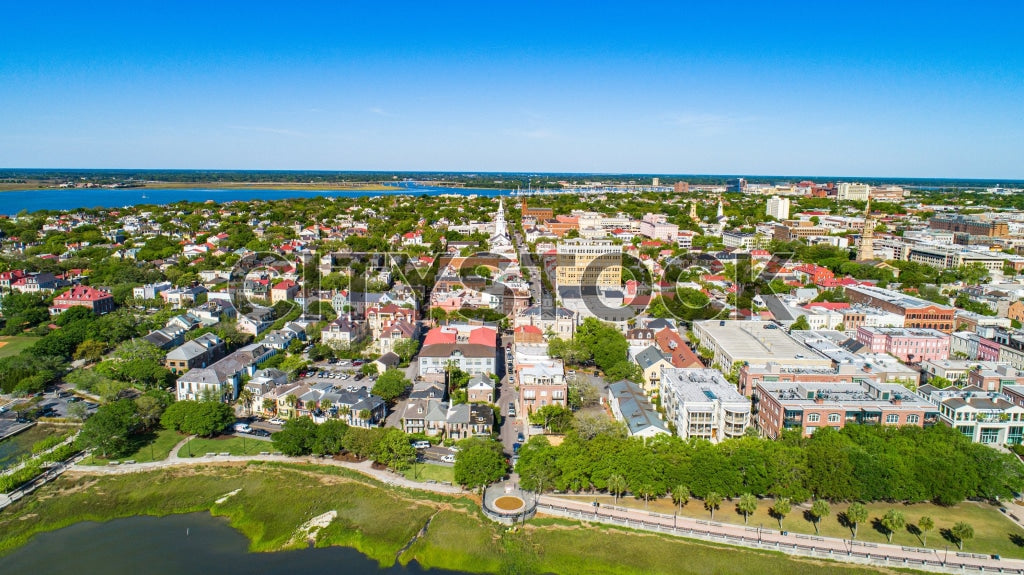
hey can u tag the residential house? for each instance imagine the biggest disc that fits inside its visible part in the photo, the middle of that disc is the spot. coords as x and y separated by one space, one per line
199 352
343 332
651 361
284 291
389 360
480 389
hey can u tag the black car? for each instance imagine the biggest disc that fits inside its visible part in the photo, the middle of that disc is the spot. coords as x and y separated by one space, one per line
261 432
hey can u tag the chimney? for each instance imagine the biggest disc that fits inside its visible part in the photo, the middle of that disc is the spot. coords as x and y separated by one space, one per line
819 399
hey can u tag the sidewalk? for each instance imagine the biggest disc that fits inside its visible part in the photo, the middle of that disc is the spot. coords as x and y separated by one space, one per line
844 550
364 467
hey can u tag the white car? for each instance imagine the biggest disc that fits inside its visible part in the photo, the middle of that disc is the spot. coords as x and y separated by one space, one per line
243 428
450 458
420 444
276 421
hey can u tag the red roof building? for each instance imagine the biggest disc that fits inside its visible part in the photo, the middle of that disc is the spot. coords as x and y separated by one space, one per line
98 301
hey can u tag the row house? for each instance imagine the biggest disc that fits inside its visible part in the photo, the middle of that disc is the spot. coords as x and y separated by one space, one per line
471 349
907 344
393 333
436 418
630 406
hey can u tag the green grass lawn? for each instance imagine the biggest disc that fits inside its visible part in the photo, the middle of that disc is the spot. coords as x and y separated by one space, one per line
153 446
14 344
993 532
234 445
430 472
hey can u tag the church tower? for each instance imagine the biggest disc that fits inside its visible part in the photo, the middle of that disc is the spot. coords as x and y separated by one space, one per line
693 212
866 250
500 228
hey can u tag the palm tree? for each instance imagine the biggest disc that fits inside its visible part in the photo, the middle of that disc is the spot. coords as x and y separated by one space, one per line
711 502
326 405
781 509
245 398
819 509
856 514
344 412
893 521
291 401
925 524
680 495
616 486
269 406
962 531
365 415
747 505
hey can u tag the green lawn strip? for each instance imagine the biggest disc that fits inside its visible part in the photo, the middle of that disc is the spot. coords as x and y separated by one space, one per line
614 551
428 472
994 533
15 344
234 445
459 541
152 446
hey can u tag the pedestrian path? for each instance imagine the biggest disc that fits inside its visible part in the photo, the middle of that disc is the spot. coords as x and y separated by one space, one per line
845 550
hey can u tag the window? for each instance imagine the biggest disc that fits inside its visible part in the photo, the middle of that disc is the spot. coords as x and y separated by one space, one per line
913 418
833 418
813 417
892 418
810 429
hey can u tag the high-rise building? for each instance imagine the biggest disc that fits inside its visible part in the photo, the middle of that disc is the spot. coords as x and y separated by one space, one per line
778 208
736 185
681 187
655 182
866 249
852 192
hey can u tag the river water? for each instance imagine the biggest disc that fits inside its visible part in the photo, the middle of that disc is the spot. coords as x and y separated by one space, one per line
191 544
47 199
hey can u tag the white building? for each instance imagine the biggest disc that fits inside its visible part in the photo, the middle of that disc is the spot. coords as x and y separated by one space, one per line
852 191
982 416
778 208
702 404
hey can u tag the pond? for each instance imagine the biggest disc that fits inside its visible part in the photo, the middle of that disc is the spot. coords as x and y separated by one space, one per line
180 545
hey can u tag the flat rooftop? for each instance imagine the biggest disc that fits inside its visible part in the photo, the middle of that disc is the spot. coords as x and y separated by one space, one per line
701 385
760 342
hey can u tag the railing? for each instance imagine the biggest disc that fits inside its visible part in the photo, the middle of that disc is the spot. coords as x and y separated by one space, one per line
877 557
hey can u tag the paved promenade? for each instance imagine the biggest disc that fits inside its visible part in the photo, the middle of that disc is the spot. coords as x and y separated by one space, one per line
794 544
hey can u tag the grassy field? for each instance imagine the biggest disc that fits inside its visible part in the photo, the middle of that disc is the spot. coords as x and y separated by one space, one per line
155 446
14 344
269 502
225 444
993 531
430 472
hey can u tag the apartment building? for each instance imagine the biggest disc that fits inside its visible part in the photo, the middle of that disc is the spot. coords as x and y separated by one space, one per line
701 404
754 342
778 208
810 406
982 416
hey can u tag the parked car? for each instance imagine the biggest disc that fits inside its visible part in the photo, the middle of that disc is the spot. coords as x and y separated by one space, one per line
358 363
450 458
261 432
420 444
511 410
242 428
276 421
520 438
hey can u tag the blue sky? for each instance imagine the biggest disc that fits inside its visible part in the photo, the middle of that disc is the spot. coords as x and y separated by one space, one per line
925 89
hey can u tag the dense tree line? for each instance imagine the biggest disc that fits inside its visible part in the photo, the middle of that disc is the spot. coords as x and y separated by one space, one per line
867 463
